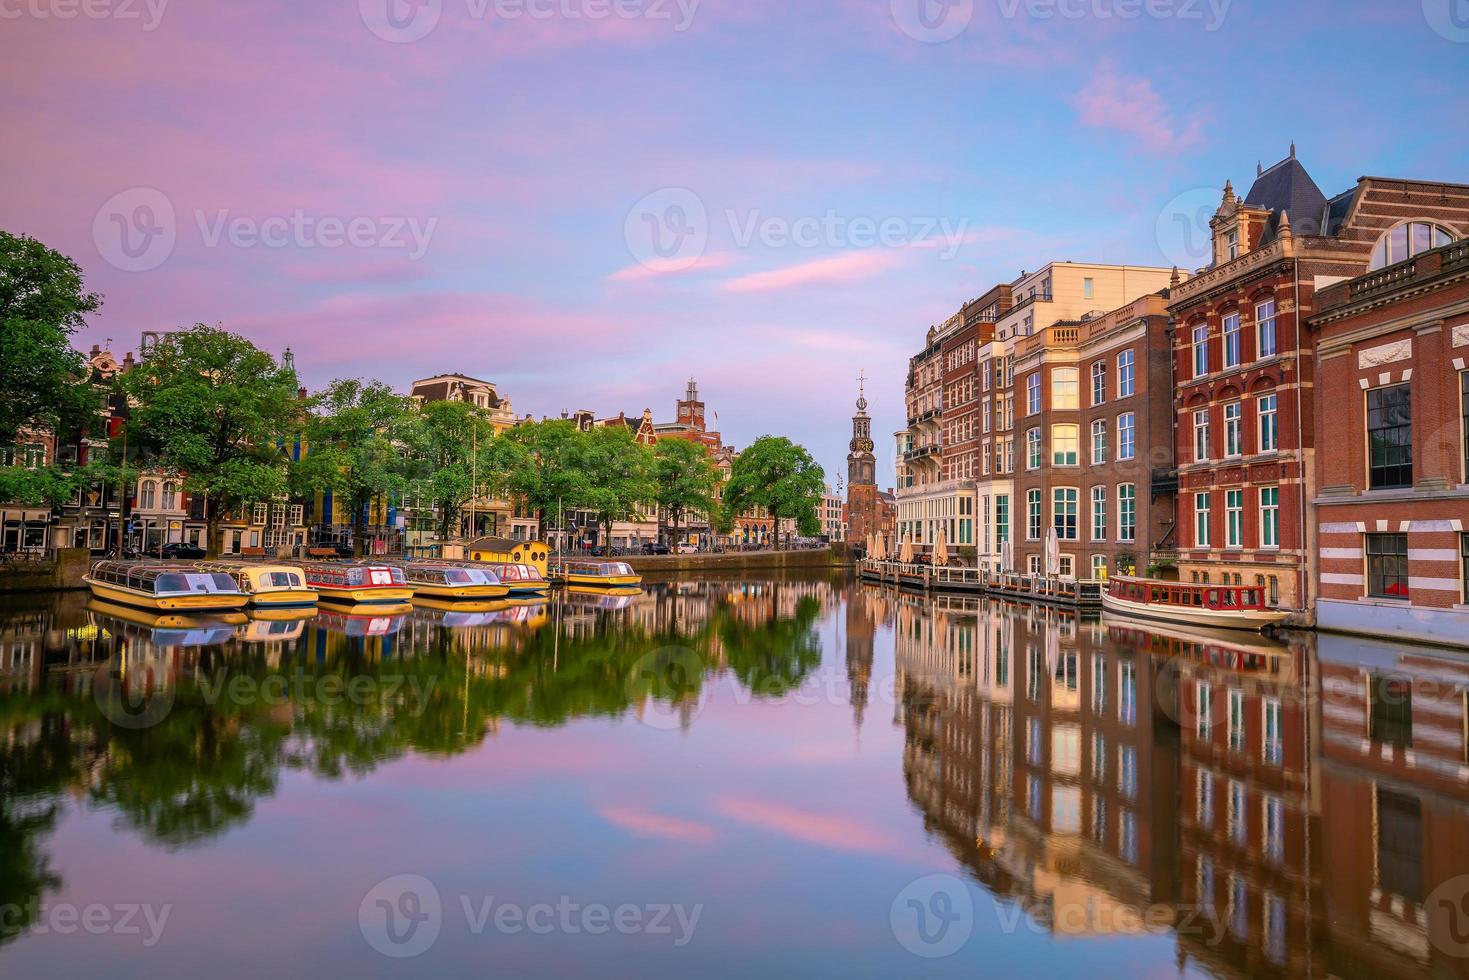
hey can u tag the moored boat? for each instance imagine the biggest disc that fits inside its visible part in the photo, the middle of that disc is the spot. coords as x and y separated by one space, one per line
358 584
520 579
595 574
268 586
454 580
164 586
1236 607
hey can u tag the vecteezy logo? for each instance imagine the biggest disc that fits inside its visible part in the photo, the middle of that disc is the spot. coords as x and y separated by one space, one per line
135 230
668 230
934 916
668 687
1183 229
401 21
401 916
1448 18
933 21
133 695
1447 907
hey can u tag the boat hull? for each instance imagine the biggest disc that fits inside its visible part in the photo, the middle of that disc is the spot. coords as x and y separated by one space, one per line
284 599
473 593
203 602
1241 619
367 595
602 581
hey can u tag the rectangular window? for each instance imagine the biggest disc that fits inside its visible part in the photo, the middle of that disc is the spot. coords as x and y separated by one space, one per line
1233 348
1099 442
1033 449
1201 435
1002 518
1127 512
1234 429
1268 409
1126 436
1099 382
1064 513
1099 513
1087 288
1231 245
1033 516
1265 327
987 415
1033 395
1201 520
1270 517
1390 436
1234 518
1065 389
1464 550
1126 378
1065 445
1201 350
1464 419
1390 709
1387 566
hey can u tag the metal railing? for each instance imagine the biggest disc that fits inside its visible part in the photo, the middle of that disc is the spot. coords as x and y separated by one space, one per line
1039 588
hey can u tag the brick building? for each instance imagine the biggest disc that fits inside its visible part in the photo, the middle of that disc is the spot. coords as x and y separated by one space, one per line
1244 365
1392 510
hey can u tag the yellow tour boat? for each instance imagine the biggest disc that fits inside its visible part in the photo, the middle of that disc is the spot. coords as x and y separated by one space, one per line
358 584
164 586
268 586
451 580
520 579
596 574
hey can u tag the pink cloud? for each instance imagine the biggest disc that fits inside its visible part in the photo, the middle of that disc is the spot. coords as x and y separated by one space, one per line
1131 106
830 830
643 823
848 267
653 268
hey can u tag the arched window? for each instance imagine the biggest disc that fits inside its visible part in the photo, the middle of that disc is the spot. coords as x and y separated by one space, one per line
170 496
147 495
1406 240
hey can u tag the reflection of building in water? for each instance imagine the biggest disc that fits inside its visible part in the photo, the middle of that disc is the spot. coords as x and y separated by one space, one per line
861 625
1395 808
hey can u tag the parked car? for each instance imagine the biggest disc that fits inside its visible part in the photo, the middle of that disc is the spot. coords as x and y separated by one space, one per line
688 549
655 549
182 550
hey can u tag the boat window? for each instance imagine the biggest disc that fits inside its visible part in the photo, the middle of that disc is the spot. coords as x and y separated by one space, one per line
469 576
1213 599
282 580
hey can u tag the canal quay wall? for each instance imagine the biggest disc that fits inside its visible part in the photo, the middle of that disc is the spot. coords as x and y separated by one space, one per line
62 571
835 557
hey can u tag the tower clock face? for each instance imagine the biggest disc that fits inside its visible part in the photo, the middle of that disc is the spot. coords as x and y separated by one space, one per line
866 445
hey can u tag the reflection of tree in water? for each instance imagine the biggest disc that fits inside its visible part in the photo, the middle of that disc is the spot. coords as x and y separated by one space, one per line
32 769
772 656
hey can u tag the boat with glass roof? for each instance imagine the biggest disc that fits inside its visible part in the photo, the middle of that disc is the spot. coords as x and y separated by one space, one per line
359 584
164 586
454 580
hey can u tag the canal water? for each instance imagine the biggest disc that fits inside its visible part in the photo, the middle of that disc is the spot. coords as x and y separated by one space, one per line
800 777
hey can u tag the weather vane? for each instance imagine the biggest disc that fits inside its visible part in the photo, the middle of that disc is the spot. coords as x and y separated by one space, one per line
862 382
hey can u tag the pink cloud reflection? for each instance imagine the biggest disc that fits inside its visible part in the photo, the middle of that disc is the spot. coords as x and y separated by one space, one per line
645 823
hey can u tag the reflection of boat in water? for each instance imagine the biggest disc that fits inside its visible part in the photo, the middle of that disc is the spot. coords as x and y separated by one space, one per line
272 628
595 574
464 615
166 586
368 621
594 598
1229 649
1237 607
166 629
268 586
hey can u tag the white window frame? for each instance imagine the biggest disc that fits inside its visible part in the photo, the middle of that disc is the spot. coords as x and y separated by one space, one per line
1100 517
1265 314
1099 383
1203 519
1126 374
1200 337
1234 430
1270 518
1273 443
1127 512
1126 436
1234 518
1201 435
1100 442
1233 332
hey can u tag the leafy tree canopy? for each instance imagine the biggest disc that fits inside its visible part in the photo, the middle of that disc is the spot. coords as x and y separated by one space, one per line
781 478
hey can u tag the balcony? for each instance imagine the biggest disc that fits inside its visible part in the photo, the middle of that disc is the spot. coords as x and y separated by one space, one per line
920 452
932 415
1164 480
1049 338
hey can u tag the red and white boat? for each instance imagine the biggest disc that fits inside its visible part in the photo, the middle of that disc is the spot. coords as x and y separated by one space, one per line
1235 607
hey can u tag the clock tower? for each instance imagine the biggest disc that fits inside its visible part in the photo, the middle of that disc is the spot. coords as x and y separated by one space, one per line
862 515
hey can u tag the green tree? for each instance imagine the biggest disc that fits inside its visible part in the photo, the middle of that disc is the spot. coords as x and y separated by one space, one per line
216 408
42 303
355 434
781 478
457 458
550 472
685 480
619 475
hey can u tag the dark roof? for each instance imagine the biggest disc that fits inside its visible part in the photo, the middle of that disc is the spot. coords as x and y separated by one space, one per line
1286 187
1337 210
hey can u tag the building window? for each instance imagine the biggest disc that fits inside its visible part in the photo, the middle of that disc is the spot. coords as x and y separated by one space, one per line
1201 435
1099 382
1387 566
1265 328
1033 395
1390 436
1267 406
1464 550
1234 518
1065 445
170 496
1002 518
1233 348
258 514
1126 436
1033 516
1464 418
1099 567
1033 449
1201 350
1099 513
1201 520
1087 288
1126 378
1390 709
1065 389
1099 442
1234 429
1064 513
1231 245
1270 517
1407 240
1127 512
147 499
988 415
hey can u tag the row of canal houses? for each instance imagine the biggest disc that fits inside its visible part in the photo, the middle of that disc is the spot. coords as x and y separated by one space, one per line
1294 415
1278 811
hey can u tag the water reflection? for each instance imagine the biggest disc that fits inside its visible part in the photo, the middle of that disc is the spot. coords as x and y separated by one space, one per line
1261 808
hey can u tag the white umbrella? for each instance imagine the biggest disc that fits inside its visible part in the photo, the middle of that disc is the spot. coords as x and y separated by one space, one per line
1053 553
1007 556
941 550
906 555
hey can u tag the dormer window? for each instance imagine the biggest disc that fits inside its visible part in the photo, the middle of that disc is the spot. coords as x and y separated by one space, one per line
1400 243
1231 245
